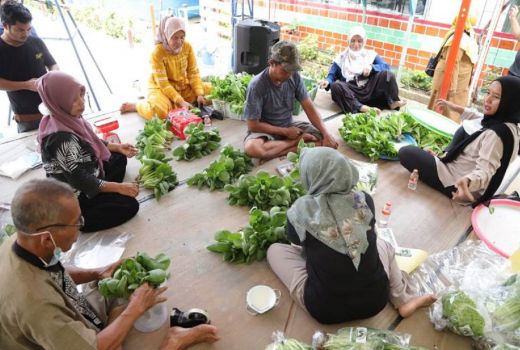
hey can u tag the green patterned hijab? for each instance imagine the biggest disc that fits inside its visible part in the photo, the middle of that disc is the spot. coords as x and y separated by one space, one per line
330 211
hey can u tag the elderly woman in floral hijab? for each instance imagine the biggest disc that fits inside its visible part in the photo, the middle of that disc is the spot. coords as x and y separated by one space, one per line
175 80
336 269
360 79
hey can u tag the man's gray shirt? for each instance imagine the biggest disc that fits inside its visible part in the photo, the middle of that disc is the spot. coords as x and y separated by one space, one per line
273 104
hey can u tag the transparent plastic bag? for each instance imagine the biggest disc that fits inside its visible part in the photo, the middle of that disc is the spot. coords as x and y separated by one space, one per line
362 338
96 249
15 168
367 176
281 342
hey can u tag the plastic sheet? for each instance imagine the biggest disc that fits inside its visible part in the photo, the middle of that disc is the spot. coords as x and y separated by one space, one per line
97 249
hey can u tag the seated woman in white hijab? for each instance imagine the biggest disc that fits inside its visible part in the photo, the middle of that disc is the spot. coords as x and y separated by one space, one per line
336 269
359 79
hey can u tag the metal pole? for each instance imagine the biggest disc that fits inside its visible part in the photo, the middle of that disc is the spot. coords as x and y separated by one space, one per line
364 12
152 16
77 54
411 17
454 50
88 50
485 49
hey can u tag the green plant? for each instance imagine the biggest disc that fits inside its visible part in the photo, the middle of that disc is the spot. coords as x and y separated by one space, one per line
134 272
264 191
226 169
199 142
251 243
231 89
461 312
416 79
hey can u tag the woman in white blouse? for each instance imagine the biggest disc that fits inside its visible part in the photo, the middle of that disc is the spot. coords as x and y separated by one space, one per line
476 160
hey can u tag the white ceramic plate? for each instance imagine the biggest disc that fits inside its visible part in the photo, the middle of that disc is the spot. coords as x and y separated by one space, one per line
500 230
262 298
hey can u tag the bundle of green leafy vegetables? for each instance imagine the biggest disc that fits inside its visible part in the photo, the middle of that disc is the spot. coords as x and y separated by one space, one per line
462 314
362 338
155 172
156 131
251 243
264 191
6 231
231 89
373 136
231 164
134 272
199 143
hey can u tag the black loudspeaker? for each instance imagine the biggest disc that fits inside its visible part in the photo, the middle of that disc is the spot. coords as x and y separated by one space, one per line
253 40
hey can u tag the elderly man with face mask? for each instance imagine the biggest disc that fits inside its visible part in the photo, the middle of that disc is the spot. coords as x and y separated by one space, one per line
41 306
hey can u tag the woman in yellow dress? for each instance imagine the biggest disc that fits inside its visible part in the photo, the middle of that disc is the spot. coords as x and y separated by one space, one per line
461 76
175 80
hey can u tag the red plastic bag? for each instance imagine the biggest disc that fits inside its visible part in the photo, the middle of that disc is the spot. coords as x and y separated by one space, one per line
179 119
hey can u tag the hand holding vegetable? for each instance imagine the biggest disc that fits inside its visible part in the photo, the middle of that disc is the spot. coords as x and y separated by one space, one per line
144 298
108 271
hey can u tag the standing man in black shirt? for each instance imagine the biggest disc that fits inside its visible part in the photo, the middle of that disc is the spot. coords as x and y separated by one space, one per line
23 59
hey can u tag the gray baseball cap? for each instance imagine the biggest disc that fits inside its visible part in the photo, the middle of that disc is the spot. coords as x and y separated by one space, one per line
286 53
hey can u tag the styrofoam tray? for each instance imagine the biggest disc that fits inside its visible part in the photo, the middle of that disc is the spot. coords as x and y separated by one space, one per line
500 230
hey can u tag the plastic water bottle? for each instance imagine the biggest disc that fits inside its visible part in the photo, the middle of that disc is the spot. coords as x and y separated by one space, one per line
385 214
414 177
207 121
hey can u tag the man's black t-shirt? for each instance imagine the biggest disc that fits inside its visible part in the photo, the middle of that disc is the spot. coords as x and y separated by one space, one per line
23 63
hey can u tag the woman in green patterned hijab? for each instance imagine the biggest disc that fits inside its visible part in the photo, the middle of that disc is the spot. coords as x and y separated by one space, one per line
336 268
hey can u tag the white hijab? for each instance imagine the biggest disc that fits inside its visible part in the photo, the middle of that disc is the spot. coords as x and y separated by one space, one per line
351 62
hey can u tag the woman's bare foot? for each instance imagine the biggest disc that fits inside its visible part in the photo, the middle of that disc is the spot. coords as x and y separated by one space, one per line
182 338
366 108
127 107
410 307
398 104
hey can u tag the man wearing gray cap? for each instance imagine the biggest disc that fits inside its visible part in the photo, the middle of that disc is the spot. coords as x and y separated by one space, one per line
269 104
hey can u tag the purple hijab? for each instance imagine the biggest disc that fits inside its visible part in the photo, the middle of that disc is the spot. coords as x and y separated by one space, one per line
169 25
58 91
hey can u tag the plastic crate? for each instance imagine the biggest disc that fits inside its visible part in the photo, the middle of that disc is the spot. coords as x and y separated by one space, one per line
297 107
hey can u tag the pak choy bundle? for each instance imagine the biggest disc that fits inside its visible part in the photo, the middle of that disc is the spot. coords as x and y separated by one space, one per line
251 243
134 272
199 143
225 170
156 173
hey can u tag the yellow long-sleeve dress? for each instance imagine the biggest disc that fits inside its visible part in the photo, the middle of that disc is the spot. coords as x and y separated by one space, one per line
174 79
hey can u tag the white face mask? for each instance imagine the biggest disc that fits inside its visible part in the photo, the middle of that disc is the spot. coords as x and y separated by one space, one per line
56 254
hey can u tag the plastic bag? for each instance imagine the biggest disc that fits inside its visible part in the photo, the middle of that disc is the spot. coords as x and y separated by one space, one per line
280 342
362 338
367 176
14 169
97 249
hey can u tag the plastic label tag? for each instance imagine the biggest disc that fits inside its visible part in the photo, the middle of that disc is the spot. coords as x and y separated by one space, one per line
515 261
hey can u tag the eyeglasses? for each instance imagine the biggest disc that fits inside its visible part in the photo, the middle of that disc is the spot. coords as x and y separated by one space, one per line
80 225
